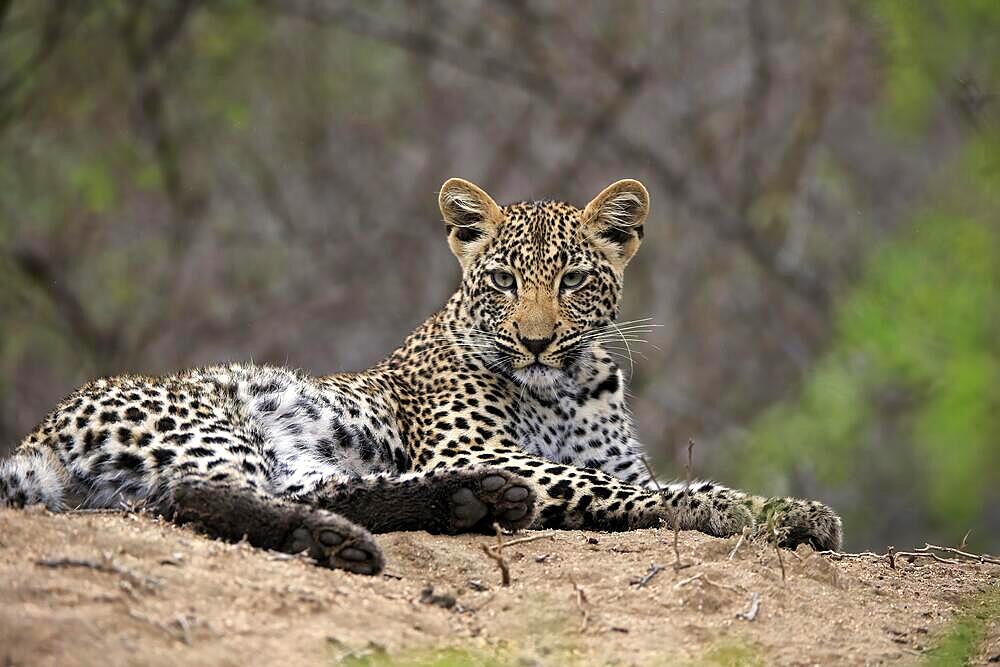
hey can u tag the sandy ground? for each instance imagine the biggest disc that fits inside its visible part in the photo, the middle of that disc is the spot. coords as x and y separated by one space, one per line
165 595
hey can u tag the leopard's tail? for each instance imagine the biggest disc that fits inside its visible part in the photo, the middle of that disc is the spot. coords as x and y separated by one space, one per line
33 477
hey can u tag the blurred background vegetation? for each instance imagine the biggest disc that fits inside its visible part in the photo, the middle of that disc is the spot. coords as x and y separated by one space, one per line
185 182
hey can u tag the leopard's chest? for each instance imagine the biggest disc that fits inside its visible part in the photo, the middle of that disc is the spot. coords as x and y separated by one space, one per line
573 430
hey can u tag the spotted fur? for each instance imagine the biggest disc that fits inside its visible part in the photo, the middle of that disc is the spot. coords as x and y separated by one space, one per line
505 406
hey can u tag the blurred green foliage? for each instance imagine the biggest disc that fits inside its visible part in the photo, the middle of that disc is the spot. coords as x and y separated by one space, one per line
908 393
929 44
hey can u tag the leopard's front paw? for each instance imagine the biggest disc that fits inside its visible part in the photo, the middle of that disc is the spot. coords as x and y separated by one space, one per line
794 522
487 496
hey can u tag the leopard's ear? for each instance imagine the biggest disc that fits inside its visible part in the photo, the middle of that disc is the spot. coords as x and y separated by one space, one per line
613 219
471 217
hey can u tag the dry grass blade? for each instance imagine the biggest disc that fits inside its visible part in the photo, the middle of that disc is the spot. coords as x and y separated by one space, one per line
649 469
739 542
776 532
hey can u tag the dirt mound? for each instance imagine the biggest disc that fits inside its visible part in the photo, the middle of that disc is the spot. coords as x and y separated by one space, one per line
87 589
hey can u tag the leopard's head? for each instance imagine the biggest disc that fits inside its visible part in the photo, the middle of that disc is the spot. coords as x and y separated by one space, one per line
541 281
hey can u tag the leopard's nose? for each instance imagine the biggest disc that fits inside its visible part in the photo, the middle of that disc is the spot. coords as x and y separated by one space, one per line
536 345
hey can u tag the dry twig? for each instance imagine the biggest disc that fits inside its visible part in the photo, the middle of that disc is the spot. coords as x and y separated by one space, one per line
781 562
979 558
640 582
687 504
106 565
523 540
751 612
495 552
185 626
926 551
712 582
182 622
501 563
582 603
685 582
702 577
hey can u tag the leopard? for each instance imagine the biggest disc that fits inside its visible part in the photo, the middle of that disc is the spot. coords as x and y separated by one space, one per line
505 410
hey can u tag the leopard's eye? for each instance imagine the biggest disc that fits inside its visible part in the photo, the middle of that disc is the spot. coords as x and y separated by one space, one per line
572 279
502 280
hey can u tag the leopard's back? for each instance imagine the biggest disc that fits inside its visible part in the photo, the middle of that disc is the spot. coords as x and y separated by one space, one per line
129 438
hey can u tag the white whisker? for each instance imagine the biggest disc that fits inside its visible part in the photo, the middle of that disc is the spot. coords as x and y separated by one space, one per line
631 363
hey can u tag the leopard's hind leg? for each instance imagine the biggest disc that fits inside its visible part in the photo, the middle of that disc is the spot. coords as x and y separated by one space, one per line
232 512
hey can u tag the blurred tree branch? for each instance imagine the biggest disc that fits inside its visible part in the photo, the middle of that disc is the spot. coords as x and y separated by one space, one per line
971 100
143 50
755 101
809 122
765 205
5 6
509 149
731 226
419 43
147 38
104 344
601 123
52 31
